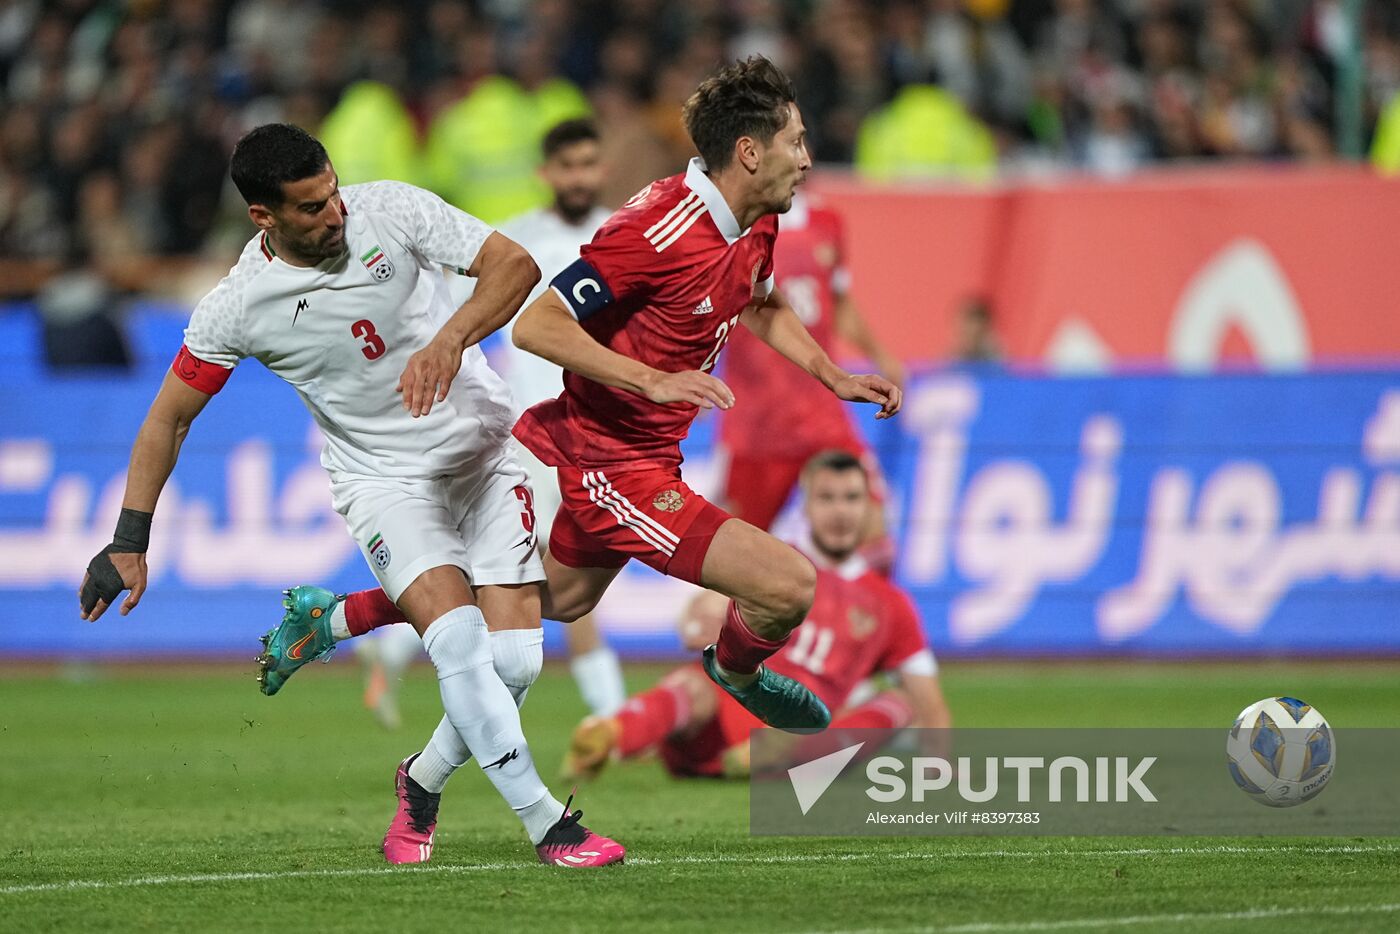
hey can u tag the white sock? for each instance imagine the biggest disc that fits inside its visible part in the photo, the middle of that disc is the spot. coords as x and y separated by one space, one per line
517 658
399 646
444 754
518 655
540 816
599 679
340 629
483 712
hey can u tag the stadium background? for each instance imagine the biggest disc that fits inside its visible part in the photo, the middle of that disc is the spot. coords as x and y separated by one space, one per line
1189 445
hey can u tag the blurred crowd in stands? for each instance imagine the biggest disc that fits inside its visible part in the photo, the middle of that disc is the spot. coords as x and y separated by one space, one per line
116 116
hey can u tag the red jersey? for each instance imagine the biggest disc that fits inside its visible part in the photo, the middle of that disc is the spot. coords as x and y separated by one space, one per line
663 281
859 625
810 261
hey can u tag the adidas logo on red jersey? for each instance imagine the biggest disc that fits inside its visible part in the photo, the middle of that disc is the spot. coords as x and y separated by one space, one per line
704 308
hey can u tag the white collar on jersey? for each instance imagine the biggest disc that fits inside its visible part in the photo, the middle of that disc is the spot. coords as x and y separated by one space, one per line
697 181
853 567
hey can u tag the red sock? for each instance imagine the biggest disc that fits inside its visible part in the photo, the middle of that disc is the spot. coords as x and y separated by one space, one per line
650 717
739 649
370 609
887 711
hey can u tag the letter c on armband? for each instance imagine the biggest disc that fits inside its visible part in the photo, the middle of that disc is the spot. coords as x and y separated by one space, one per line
583 290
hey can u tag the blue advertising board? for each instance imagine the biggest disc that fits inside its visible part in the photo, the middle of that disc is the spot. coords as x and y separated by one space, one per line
1034 515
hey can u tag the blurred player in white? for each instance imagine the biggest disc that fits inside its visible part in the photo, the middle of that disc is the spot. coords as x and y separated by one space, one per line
341 294
573 168
860 625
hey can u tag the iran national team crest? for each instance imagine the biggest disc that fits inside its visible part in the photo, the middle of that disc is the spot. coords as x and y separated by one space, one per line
668 501
379 552
378 264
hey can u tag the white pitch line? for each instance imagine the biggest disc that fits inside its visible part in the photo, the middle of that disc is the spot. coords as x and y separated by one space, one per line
80 885
1251 914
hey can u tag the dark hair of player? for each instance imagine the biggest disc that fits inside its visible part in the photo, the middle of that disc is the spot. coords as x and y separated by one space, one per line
563 135
834 460
748 98
271 155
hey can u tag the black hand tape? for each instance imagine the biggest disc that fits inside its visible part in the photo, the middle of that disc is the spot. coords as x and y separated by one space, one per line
103 581
133 535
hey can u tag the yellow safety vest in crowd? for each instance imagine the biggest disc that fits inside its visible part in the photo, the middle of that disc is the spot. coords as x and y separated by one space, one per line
1385 149
925 132
370 136
483 151
558 100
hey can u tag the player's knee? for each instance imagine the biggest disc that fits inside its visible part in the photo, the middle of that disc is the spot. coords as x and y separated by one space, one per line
571 608
795 591
457 642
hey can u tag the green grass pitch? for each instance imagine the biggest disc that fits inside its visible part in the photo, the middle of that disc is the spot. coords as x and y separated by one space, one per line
179 799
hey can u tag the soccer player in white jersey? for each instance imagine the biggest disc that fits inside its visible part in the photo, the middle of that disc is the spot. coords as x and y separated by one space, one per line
341 295
572 166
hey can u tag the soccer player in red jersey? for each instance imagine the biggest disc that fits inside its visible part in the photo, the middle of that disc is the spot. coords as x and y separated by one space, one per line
860 625
638 323
763 465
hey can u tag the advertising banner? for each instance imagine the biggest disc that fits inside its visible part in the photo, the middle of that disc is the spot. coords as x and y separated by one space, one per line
1270 268
1151 514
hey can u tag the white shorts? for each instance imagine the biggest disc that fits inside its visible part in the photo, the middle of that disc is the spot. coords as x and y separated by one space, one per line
544 481
481 522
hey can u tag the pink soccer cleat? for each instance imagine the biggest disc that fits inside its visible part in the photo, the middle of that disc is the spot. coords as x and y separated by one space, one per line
569 843
410 835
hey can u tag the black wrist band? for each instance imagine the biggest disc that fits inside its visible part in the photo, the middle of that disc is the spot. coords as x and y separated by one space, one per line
133 531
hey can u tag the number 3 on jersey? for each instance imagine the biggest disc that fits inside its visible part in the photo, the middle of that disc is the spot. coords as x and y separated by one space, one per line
721 338
374 344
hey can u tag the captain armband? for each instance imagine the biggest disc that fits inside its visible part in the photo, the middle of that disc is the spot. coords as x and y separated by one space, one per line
582 289
207 377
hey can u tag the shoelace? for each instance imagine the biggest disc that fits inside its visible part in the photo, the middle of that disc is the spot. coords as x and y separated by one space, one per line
567 832
422 806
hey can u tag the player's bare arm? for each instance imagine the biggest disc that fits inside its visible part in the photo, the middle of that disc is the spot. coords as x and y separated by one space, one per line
122 564
505 274
702 619
931 712
926 696
854 329
777 325
548 330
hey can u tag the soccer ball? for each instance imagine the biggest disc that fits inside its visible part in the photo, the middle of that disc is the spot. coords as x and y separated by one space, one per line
1281 752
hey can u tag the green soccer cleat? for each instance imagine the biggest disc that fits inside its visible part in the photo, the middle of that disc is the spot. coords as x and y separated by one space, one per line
304 635
776 699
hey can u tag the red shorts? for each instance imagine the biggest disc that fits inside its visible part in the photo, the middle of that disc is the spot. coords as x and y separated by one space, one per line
651 515
757 487
702 753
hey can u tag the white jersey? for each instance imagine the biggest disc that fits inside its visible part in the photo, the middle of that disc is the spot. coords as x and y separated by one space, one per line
342 332
553 243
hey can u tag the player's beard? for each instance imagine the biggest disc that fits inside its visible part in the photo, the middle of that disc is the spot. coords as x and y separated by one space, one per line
333 245
327 246
784 203
832 548
573 204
